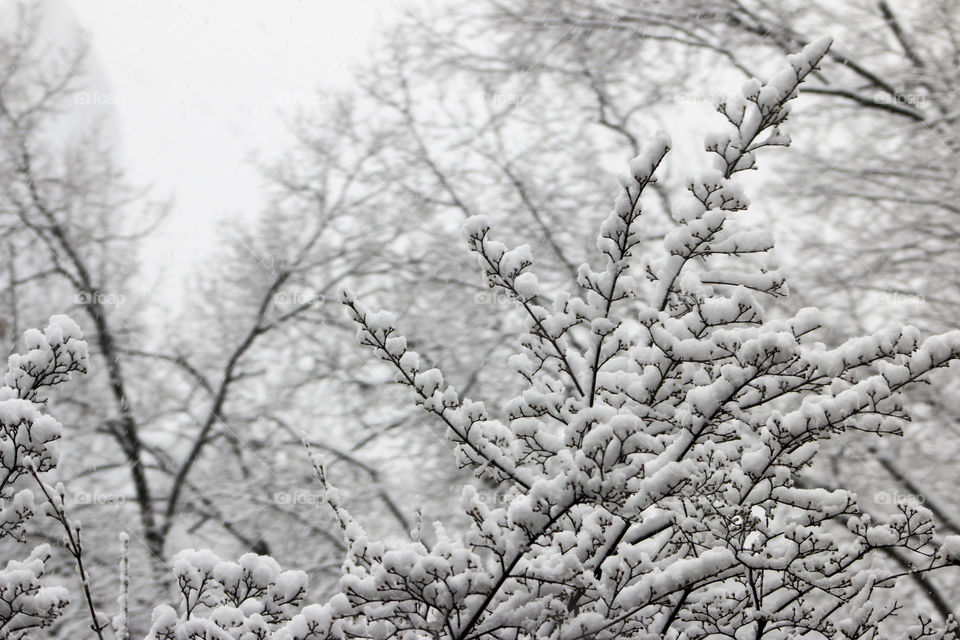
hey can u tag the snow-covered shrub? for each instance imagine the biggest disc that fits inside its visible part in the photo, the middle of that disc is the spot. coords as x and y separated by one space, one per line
229 600
650 467
27 437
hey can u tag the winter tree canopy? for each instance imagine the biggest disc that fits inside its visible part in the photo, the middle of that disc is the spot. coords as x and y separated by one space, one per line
648 472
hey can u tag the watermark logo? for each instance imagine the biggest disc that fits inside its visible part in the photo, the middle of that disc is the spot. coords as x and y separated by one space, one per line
698 98
896 497
901 299
99 298
298 298
908 99
99 499
98 98
505 98
492 298
297 498
489 498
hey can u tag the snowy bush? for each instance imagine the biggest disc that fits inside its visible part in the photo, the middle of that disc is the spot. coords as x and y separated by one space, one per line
245 599
27 451
651 465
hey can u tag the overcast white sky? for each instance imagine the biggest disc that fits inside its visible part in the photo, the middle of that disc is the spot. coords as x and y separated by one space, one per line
198 87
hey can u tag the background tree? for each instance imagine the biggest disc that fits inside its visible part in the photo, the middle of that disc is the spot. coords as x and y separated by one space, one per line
170 396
